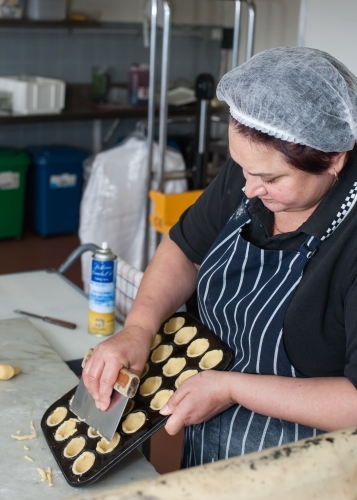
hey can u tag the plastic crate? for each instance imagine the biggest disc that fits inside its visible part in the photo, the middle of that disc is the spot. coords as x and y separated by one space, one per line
13 168
168 208
55 189
33 94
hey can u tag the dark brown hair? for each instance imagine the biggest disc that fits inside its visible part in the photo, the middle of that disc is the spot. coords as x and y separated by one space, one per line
301 157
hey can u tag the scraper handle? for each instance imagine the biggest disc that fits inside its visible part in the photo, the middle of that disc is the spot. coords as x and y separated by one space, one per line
127 382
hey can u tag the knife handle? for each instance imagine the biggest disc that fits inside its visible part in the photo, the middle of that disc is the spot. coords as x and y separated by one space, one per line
59 322
127 382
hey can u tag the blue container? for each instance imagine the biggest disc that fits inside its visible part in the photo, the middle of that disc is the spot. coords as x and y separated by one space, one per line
55 189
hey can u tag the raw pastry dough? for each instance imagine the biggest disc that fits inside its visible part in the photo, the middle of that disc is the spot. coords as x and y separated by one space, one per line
49 476
197 348
160 399
104 446
184 376
83 463
156 342
67 429
211 359
150 386
145 370
129 407
92 433
8 371
173 366
174 324
26 457
133 422
33 434
161 353
42 474
184 335
57 416
74 447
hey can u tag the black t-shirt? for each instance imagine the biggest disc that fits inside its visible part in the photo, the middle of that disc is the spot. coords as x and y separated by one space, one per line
320 327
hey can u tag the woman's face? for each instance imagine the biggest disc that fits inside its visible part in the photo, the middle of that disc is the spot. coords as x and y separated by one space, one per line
268 177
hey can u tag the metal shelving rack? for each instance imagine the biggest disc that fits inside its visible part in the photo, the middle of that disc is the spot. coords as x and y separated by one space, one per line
166 31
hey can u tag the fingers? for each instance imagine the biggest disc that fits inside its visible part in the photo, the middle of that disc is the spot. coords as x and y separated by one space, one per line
180 408
100 373
107 380
92 373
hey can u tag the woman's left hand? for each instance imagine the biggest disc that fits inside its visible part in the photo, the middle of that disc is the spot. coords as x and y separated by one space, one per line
198 399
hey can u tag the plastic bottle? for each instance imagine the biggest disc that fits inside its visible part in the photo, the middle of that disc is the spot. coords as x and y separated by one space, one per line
138 85
101 317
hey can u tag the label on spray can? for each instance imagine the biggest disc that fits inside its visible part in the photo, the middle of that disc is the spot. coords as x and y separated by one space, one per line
102 293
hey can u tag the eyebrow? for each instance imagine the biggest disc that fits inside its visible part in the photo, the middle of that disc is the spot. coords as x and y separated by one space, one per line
262 174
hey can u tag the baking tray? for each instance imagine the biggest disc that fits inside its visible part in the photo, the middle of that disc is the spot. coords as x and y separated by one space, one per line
154 420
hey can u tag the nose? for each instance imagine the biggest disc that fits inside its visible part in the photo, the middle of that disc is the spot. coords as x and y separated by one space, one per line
254 187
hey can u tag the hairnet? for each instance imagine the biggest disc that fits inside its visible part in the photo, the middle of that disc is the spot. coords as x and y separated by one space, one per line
296 94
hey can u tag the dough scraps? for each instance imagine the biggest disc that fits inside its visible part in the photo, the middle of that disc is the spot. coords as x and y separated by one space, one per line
129 407
104 446
83 463
133 422
184 335
160 399
173 366
33 434
49 476
93 433
74 447
8 371
174 324
145 370
197 348
26 457
150 386
184 376
156 342
67 429
161 353
42 474
211 359
57 416
26 448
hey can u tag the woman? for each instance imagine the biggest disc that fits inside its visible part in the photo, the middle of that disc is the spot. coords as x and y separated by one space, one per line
271 246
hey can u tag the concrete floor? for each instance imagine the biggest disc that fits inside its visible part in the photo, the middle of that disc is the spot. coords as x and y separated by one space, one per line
33 252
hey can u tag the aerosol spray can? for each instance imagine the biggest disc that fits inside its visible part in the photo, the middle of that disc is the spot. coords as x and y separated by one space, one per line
102 292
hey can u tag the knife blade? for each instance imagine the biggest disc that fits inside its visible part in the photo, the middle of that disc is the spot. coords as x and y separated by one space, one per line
104 422
48 319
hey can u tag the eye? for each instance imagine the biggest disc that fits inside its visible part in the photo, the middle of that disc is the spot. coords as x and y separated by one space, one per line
268 182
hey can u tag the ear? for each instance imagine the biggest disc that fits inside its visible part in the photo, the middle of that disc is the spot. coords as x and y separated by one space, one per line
337 163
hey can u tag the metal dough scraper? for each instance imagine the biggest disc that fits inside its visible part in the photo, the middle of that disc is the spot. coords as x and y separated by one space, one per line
105 422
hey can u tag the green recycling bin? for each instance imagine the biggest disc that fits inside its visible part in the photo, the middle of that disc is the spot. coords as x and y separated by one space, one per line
13 167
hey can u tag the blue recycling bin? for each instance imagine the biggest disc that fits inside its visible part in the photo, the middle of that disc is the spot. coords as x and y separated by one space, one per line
55 184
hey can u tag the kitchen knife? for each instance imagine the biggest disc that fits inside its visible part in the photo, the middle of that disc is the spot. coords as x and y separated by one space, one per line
54 321
104 422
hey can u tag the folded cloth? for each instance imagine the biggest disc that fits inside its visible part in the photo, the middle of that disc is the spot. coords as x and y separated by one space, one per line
127 284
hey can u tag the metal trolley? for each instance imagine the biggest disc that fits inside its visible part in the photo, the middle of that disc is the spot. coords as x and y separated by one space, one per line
169 207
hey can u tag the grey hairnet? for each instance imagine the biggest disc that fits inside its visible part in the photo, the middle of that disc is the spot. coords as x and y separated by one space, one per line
296 94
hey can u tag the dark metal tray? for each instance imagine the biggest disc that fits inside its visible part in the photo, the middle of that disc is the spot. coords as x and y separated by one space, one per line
154 420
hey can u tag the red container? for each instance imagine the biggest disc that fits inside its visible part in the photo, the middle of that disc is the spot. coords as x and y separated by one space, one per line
138 85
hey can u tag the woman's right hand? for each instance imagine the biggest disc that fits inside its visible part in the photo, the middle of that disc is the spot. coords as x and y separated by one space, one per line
128 348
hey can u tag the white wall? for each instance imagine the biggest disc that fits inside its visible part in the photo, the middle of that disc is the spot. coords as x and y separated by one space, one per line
277 20
332 26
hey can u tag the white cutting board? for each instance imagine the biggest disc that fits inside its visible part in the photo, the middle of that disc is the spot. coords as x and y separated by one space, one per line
44 378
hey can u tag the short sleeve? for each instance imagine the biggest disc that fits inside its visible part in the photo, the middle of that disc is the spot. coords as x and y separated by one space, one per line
351 333
200 224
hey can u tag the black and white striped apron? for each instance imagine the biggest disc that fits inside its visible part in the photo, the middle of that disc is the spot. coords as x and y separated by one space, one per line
243 295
